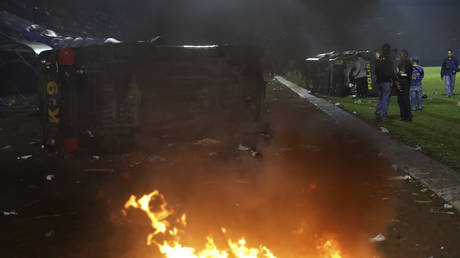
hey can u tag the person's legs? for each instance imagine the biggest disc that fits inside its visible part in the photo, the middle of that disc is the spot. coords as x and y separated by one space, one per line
447 78
359 94
413 99
419 99
363 84
386 94
452 84
401 103
378 109
407 111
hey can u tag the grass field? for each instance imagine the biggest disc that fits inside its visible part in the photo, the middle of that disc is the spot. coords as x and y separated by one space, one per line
436 129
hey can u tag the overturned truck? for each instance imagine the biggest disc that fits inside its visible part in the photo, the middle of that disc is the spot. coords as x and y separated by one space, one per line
125 96
331 73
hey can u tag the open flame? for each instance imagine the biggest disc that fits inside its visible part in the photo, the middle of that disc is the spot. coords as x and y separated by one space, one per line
168 237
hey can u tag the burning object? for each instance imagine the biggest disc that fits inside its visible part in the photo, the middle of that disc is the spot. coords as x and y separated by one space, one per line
169 230
174 248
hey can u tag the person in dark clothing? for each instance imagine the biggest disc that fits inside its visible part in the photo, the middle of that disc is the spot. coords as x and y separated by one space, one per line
403 81
385 74
449 70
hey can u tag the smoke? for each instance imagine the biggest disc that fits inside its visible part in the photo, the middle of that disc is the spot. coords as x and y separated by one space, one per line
314 181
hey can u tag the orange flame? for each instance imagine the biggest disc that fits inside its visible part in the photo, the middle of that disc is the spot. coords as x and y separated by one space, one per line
173 248
327 248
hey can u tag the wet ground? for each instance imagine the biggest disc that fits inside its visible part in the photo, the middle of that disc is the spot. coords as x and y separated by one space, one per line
313 180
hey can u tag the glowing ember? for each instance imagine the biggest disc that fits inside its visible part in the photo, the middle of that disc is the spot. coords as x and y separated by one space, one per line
170 244
329 248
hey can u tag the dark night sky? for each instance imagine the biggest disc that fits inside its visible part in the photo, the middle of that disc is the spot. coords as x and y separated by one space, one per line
288 27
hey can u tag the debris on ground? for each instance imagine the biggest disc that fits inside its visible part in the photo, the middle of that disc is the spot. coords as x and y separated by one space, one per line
394 167
135 158
96 157
355 113
358 101
266 135
406 177
50 233
90 134
157 158
7 147
422 201
448 206
377 238
384 130
337 104
418 148
243 148
32 143
207 142
9 213
255 154
108 170
24 157
50 177
437 211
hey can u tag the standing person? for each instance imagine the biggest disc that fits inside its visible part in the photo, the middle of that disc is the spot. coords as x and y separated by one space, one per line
360 75
416 91
448 70
385 73
403 82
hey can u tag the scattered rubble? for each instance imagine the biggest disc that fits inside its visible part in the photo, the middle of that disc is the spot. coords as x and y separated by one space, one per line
157 158
9 213
7 147
377 238
96 157
406 177
255 154
135 158
437 211
207 142
50 234
24 157
422 201
91 135
243 148
50 177
384 130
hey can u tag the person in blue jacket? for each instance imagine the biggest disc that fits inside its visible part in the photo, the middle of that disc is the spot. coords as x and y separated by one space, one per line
416 91
448 70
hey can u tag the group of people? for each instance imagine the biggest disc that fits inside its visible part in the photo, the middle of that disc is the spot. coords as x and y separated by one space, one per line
405 78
